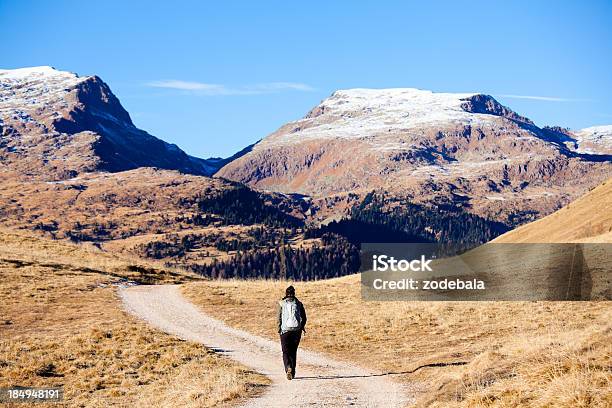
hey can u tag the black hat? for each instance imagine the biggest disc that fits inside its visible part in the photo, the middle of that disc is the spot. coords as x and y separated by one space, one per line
290 291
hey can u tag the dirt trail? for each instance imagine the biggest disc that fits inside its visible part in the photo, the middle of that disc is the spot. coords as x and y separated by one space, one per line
320 381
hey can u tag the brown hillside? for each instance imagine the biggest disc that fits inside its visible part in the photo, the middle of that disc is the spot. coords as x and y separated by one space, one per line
148 213
588 219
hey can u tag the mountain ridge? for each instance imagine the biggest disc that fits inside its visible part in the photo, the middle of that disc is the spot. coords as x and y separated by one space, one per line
78 125
462 150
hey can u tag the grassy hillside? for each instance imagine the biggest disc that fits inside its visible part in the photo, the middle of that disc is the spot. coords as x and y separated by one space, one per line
588 219
61 324
220 229
463 354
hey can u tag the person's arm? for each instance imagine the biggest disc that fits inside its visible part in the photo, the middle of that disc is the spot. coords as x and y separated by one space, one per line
303 315
279 316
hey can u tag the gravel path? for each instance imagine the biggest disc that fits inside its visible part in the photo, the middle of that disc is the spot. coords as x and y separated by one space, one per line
320 381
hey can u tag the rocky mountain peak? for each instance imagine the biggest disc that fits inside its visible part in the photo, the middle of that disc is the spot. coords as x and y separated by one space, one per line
57 124
486 104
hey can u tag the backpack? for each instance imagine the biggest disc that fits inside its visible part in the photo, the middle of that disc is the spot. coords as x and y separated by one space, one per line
291 318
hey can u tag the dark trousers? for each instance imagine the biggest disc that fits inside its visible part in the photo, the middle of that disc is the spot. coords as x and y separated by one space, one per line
289 344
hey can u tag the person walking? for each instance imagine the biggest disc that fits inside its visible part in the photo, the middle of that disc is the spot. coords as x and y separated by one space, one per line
291 324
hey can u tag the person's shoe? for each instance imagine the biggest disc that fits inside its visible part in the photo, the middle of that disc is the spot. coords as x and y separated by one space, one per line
289 374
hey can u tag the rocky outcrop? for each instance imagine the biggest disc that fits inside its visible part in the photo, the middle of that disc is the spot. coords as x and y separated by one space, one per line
486 104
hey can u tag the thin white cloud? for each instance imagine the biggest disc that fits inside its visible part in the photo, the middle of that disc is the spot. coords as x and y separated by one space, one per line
543 98
218 89
186 85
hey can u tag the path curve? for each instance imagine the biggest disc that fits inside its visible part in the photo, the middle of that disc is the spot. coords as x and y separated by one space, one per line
320 381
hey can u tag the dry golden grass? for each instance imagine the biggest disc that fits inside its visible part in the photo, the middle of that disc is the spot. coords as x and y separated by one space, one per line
123 212
61 324
29 248
587 219
515 353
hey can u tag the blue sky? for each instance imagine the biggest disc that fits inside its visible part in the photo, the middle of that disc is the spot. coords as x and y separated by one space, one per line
214 77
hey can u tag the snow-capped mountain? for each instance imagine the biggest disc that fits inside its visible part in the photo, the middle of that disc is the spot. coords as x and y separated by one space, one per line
354 113
57 124
465 149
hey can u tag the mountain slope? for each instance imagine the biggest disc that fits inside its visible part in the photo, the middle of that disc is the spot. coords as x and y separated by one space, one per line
55 124
150 213
588 219
463 149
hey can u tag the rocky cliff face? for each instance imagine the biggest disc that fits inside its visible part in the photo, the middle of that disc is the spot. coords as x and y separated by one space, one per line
465 150
55 124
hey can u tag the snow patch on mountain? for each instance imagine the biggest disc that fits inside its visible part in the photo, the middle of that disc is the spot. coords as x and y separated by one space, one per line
35 88
31 72
355 113
594 140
